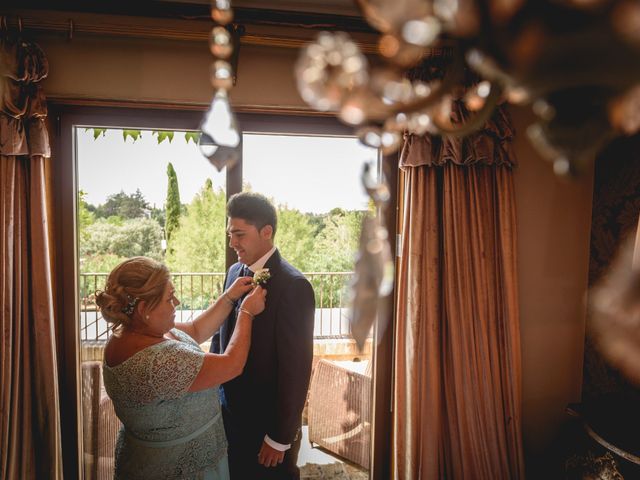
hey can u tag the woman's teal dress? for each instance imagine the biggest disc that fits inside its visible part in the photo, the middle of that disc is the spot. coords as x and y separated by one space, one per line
168 432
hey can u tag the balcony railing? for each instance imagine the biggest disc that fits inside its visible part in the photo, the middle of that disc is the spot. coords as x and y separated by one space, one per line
196 291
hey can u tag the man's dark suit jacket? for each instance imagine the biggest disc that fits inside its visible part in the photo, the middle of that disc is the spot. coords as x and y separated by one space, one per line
269 396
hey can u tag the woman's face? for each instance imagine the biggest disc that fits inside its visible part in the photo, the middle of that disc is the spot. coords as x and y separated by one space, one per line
162 316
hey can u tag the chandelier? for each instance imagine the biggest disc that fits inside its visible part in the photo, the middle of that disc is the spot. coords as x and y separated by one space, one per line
576 62
220 140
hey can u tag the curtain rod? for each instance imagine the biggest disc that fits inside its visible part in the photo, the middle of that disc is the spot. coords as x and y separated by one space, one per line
147 28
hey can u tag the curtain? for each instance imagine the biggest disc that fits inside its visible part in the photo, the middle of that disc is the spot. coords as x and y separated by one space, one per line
30 439
457 400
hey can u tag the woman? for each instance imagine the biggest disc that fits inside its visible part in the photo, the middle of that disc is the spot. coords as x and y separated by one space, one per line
163 386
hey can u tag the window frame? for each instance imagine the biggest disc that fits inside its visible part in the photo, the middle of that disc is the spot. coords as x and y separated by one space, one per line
65 181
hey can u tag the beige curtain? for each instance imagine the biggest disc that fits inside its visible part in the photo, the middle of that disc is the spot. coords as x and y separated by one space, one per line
457 358
30 442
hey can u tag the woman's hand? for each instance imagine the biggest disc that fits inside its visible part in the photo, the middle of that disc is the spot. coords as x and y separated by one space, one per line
254 302
238 288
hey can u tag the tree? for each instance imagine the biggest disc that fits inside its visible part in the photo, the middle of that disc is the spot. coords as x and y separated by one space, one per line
108 242
334 251
159 215
124 206
173 202
295 237
198 244
85 216
335 246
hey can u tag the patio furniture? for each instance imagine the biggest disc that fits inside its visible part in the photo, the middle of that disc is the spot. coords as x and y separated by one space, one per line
100 425
339 410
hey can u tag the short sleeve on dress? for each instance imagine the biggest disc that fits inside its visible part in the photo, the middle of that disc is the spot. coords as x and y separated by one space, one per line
173 369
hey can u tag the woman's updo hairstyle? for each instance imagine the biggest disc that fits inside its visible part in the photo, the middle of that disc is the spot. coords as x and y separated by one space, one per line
132 281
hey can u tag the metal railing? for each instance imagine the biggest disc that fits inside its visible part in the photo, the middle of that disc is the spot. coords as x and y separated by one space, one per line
196 291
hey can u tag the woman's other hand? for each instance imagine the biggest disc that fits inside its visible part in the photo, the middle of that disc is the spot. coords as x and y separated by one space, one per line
255 301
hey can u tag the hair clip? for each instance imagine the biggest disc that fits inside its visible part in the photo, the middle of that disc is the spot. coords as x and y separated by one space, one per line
130 307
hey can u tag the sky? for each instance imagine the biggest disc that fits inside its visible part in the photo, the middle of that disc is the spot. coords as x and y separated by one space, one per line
311 174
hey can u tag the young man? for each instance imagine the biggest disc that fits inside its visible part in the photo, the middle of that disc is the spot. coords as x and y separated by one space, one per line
262 408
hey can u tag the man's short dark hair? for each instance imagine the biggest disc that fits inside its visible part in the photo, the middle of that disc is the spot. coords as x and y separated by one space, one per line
253 208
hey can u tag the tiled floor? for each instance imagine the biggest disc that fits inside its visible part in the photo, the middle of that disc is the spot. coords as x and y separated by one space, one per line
318 464
332 471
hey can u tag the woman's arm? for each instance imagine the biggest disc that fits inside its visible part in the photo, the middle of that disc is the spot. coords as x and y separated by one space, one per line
220 368
202 328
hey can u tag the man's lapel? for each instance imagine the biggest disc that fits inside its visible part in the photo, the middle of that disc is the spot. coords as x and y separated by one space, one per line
273 264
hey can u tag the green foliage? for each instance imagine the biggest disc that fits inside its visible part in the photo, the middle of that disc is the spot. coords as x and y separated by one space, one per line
336 244
198 244
100 263
163 135
97 132
134 134
85 216
115 220
334 250
192 136
295 238
140 236
159 215
124 206
311 242
173 203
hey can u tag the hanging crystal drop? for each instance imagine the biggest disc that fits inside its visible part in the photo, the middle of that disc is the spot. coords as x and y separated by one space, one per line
220 140
221 11
220 42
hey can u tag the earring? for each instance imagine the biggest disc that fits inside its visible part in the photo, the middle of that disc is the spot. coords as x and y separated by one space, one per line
147 317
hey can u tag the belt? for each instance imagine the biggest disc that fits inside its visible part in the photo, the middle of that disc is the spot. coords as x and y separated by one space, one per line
172 443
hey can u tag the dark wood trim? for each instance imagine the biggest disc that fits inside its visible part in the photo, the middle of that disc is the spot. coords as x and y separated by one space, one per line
234 185
57 100
173 118
73 24
381 436
346 21
314 21
64 181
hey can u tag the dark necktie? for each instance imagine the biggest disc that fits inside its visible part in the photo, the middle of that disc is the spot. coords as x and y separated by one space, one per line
246 272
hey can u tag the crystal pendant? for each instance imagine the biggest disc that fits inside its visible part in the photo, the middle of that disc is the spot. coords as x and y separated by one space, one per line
221 11
220 141
372 281
220 43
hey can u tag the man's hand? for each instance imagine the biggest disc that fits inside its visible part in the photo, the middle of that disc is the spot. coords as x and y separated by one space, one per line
269 457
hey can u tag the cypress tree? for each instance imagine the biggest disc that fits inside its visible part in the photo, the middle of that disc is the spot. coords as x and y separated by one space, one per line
173 202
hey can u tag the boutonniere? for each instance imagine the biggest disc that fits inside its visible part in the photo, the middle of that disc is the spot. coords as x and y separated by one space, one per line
261 276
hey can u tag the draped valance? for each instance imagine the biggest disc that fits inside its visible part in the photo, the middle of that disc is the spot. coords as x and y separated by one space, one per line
491 145
23 108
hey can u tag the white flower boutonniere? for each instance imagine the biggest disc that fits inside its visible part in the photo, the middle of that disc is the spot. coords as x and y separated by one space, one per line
261 276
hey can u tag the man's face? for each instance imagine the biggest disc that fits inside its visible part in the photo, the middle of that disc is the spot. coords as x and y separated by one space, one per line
248 242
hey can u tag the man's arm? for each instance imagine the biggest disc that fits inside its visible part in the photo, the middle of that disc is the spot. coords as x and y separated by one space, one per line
294 337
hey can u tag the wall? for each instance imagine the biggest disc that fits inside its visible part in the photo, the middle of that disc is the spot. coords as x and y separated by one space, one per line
92 67
554 220
553 215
